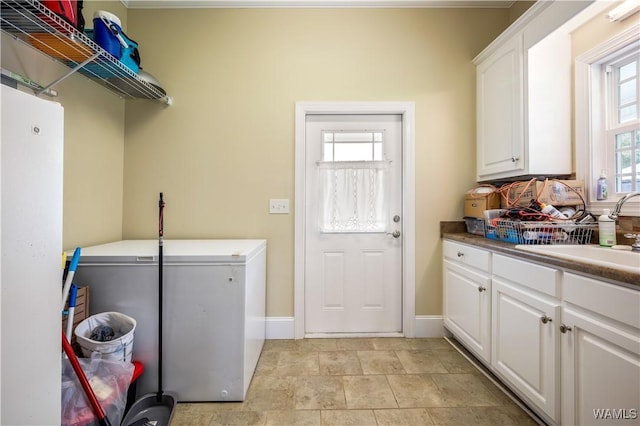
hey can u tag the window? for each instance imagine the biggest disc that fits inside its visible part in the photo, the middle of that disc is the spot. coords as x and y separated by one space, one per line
607 117
352 146
623 124
354 182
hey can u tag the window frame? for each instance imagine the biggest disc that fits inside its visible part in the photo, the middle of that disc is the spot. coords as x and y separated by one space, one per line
591 122
614 126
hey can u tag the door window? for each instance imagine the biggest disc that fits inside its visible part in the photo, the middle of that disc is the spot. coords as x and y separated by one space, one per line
353 182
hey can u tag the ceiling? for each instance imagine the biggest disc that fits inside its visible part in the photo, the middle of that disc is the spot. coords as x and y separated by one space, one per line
181 4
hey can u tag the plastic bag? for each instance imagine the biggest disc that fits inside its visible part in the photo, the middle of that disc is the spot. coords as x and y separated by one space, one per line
109 380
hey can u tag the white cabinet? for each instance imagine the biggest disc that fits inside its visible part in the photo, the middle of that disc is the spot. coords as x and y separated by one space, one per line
524 96
467 302
500 110
525 348
565 343
600 353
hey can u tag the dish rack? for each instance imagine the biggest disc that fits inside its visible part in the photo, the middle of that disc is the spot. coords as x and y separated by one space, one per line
515 232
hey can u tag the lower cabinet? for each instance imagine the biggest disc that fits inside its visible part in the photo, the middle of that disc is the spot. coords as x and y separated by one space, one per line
567 344
600 346
468 303
467 297
525 310
525 349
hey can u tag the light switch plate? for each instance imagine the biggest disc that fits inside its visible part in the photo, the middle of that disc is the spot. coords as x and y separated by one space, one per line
279 206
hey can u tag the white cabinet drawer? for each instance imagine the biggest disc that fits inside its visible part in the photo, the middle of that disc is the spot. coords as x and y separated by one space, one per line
616 302
539 278
467 255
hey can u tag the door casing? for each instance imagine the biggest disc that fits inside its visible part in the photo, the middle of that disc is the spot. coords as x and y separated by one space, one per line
407 111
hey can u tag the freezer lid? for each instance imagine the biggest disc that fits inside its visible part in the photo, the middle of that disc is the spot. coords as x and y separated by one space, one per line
174 251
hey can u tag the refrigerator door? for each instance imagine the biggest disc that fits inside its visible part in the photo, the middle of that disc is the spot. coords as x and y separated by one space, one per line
31 218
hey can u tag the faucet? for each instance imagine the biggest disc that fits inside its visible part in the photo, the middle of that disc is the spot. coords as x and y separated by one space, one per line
616 211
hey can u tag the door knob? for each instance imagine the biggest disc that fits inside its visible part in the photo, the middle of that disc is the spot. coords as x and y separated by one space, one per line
545 319
564 328
396 234
481 289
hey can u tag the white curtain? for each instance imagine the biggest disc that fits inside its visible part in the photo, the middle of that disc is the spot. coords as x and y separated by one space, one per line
353 196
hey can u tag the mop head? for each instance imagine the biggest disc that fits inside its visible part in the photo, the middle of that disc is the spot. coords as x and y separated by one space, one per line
102 333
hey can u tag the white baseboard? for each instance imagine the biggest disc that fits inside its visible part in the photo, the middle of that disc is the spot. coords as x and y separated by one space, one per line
429 326
282 327
279 328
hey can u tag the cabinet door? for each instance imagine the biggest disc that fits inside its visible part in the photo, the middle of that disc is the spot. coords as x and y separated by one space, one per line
500 143
600 371
466 307
525 350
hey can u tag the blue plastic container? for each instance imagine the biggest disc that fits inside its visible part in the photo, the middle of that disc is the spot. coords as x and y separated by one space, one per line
98 69
106 27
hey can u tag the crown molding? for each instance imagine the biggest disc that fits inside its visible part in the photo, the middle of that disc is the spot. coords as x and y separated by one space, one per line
195 4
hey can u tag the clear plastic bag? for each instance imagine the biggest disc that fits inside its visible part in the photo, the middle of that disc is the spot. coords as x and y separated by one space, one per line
109 380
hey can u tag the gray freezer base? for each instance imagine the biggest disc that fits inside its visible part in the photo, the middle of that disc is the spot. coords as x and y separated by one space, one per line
213 320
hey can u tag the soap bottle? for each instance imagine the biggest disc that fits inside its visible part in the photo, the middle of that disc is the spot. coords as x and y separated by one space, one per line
552 211
606 229
601 186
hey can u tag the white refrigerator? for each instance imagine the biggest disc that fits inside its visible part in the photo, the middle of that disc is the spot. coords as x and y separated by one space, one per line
213 317
31 263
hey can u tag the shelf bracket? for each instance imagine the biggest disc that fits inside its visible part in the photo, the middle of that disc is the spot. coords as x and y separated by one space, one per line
71 71
20 79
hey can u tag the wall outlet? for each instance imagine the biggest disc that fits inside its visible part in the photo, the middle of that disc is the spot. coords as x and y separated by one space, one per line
279 206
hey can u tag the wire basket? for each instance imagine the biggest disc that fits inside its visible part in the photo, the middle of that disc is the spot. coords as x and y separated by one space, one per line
539 232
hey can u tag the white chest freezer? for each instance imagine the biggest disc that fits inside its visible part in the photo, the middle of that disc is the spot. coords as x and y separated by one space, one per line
213 317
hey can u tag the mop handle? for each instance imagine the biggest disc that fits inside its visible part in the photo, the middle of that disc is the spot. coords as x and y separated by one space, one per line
160 291
72 271
72 308
82 378
161 218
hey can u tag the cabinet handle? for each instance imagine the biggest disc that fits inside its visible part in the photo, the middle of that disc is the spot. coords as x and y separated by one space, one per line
460 254
564 328
514 159
545 319
481 289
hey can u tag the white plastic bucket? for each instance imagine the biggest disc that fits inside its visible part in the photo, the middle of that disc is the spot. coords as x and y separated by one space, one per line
119 348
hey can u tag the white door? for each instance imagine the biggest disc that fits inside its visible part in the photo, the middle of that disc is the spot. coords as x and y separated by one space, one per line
525 344
353 203
600 371
31 172
467 306
500 136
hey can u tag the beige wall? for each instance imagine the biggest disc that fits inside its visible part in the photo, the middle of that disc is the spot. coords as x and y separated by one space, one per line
227 144
599 29
518 8
93 141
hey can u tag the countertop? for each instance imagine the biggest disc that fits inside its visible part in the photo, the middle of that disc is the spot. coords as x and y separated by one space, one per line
451 231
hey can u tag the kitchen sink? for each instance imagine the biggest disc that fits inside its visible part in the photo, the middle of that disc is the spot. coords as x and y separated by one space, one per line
624 260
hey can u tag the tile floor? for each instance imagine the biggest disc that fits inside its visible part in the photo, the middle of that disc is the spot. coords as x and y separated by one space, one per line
372 381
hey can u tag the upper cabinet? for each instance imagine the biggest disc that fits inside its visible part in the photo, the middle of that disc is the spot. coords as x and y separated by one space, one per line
500 111
524 96
35 25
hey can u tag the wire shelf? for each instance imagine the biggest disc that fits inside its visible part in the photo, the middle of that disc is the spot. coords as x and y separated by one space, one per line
539 232
32 23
